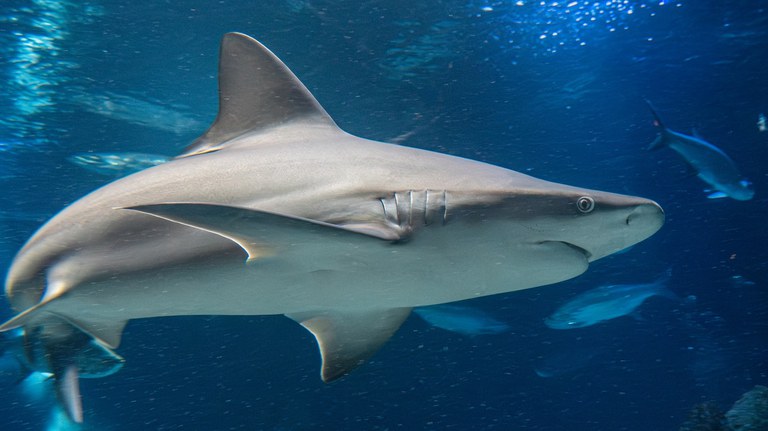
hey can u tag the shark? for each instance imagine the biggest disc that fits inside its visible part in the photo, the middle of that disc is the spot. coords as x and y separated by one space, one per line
275 210
709 162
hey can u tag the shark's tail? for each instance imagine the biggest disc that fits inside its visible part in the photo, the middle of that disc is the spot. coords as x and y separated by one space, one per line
660 140
68 353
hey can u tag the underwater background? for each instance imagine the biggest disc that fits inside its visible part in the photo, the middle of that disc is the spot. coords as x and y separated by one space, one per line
552 89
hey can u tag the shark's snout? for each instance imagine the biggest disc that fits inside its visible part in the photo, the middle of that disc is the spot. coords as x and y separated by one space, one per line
640 222
650 213
621 222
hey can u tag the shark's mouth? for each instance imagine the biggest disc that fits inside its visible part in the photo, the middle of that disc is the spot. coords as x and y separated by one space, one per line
585 252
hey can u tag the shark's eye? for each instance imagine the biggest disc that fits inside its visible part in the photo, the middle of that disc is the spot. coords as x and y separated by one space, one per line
585 204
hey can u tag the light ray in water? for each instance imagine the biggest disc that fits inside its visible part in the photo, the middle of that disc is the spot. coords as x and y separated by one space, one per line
38 66
555 25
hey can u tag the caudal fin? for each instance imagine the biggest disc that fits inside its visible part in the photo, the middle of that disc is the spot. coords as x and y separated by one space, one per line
662 288
661 139
64 350
656 119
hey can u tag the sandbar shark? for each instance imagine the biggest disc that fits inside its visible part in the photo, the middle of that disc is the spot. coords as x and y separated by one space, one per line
276 210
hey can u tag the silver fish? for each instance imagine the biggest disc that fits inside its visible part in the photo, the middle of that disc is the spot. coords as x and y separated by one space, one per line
117 164
710 163
461 319
136 111
606 303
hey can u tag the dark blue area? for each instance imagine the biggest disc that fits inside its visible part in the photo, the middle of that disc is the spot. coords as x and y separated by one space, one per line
445 75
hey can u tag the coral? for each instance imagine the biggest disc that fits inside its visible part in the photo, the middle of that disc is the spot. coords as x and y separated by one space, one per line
750 412
705 417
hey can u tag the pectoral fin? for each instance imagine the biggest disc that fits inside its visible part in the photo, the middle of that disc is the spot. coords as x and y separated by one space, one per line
259 233
346 338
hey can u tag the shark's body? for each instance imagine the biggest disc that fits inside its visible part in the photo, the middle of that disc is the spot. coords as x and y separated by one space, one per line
275 210
710 163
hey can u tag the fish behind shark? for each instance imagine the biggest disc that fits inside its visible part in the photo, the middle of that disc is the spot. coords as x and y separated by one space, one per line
461 319
275 210
116 164
710 163
606 303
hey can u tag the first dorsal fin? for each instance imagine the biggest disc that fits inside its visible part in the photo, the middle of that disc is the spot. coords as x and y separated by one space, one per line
256 91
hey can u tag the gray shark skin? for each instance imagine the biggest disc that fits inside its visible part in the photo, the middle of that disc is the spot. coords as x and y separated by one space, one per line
275 210
710 163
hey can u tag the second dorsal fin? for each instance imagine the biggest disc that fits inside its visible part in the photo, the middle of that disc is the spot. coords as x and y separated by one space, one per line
256 91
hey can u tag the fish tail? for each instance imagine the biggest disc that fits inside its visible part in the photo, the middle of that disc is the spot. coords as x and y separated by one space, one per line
662 289
659 142
661 139
664 278
656 119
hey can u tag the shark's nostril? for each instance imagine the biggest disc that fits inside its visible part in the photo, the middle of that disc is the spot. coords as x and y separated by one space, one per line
650 213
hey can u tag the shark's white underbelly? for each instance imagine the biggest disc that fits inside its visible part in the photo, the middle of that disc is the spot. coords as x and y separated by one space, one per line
441 269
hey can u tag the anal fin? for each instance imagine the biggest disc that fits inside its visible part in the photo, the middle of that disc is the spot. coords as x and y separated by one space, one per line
347 338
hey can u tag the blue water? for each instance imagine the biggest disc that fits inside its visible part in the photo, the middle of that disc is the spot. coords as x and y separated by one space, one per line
551 89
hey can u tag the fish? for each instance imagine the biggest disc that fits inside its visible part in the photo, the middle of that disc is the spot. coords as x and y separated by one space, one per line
606 303
762 123
116 164
276 210
134 110
709 162
461 319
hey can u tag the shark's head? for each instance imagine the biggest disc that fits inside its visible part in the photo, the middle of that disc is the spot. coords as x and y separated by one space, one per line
593 223
542 233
